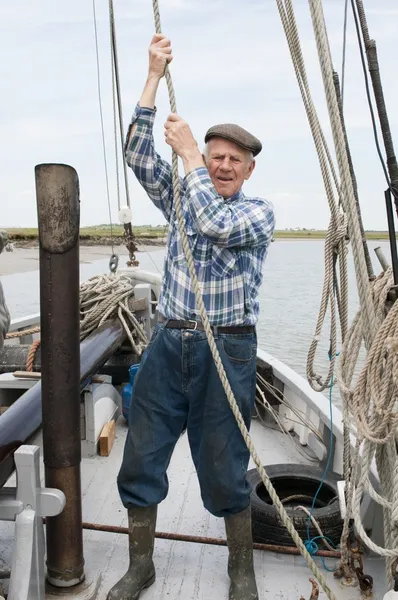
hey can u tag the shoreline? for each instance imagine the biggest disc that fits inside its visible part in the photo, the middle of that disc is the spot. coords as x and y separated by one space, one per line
86 241
26 258
25 254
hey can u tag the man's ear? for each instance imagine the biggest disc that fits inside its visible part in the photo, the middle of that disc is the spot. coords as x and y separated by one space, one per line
204 159
250 169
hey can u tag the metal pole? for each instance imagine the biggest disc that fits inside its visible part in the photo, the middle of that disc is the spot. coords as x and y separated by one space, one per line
382 259
392 234
194 539
374 70
57 193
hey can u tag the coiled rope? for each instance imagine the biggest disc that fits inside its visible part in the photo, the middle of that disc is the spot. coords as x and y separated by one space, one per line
106 296
371 405
373 401
217 359
101 298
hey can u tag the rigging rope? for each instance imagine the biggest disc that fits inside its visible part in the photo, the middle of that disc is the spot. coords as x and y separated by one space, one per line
117 92
343 61
102 123
372 114
372 408
217 359
336 239
348 197
373 401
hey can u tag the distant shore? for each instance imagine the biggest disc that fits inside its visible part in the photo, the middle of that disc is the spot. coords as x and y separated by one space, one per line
154 236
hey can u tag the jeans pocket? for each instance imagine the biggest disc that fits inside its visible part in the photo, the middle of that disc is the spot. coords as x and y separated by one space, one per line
239 349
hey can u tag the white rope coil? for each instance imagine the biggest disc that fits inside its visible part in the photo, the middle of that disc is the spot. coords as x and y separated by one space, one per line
106 296
372 409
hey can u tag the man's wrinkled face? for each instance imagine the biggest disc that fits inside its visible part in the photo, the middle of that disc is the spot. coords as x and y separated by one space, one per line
229 166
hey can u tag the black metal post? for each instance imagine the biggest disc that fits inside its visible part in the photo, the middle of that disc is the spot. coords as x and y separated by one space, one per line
58 207
392 234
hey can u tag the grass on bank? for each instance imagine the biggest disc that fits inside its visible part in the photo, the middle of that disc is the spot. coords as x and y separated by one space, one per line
159 232
97 231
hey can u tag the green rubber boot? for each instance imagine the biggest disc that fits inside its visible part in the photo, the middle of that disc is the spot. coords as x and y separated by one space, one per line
141 573
240 563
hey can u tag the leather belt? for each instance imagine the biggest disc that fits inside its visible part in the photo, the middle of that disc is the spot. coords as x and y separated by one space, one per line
198 326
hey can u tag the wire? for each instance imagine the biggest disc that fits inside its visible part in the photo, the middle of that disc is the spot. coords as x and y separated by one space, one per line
102 123
344 52
310 544
372 114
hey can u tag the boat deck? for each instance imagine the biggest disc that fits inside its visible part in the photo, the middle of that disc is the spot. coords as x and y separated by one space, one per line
188 571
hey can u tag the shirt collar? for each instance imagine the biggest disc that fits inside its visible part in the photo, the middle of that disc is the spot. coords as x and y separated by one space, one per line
237 196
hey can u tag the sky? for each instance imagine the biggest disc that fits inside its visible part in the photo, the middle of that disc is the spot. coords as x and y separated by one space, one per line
231 65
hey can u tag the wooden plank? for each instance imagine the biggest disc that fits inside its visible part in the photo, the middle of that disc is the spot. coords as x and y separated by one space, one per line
27 374
37 375
107 438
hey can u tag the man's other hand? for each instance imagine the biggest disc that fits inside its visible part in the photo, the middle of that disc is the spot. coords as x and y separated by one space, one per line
159 55
179 136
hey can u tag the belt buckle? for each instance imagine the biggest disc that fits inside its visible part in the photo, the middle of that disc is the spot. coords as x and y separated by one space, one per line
196 324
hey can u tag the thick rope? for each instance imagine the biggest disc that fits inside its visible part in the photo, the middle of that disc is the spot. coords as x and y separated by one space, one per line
31 355
373 401
372 409
22 333
217 359
336 239
354 180
348 196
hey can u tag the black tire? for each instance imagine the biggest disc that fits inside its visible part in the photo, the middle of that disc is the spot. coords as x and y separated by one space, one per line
290 480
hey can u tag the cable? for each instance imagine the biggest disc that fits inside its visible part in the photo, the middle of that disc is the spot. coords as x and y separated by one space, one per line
102 123
310 544
383 164
344 52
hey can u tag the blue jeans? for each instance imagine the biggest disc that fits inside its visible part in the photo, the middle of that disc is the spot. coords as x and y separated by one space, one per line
177 386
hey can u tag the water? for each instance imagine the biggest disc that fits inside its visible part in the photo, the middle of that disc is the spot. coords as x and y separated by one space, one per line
289 297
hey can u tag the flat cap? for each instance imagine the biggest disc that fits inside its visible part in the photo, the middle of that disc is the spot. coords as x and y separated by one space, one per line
236 134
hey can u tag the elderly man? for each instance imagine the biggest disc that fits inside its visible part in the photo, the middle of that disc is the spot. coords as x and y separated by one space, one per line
177 385
4 314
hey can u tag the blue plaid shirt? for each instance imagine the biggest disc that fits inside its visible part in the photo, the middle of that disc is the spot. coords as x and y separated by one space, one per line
228 238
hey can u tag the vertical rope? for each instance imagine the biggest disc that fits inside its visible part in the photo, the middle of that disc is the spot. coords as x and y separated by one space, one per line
353 178
118 93
217 360
368 315
344 52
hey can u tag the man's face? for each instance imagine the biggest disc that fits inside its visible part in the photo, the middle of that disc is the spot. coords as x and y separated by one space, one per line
228 166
